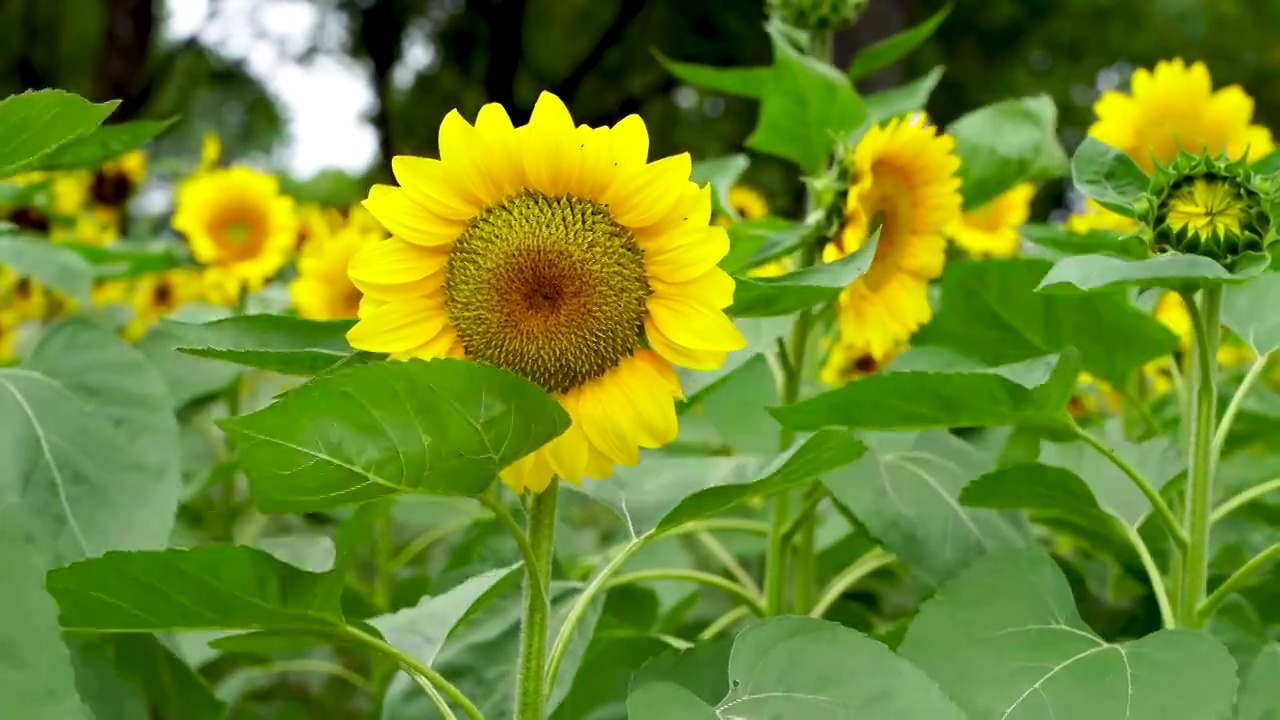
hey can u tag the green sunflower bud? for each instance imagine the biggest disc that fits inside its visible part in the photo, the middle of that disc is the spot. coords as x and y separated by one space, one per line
817 15
1201 205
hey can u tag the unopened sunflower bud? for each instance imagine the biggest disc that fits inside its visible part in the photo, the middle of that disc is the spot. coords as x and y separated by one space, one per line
817 15
1201 205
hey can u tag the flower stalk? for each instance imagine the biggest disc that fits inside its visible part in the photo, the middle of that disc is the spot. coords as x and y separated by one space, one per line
1201 460
541 530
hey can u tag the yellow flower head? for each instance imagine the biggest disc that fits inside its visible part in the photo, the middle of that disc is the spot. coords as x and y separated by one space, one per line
116 181
992 229
237 220
9 322
106 293
1175 106
21 296
159 294
1208 207
846 363
904 182
323 291
70 192
1096 217
561 254
748 202
314 225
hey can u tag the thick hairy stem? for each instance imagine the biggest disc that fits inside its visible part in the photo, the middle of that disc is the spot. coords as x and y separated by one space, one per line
1200 465
530 690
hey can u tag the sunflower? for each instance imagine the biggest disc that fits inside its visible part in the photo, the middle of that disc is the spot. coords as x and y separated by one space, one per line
904 182
237 221
748 202
846 363
22 296
992 229
1095 217
561 254
1173 107
117 180
323 291
159 294
9 322
314 225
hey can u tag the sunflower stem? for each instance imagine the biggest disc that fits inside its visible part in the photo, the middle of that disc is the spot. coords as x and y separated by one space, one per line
1200 465
541 531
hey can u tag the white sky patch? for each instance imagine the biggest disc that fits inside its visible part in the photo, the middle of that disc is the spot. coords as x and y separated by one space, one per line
326 99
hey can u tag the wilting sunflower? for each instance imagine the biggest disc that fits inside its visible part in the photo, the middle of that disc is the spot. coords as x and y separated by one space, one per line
159 294
1095 217
558 253
903 180
236 220
323 291
1173 107
992 229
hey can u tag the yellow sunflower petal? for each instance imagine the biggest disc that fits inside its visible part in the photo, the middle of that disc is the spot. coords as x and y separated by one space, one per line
394 261
429 183
395 327
679 354
604 425
685 254
695 325
531 472
714 288
551 148
408 220
643 196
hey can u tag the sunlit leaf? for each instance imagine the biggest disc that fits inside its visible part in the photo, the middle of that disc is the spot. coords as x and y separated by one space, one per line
893 48
444 427
52 266
1086 273
1108 176
1005 640
795 291
103 144
35 123
906 98
1007 143
279 343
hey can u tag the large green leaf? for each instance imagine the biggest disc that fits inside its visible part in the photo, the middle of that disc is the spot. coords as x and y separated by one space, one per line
1248 310
906 98
125 261
52 266
422 629
1260 688
1031 391
663 492
189 378
369 431
806 108
1086 273
1068 242
88 445
1158 459
174 690
1032 486
600 688
906 492
211 587
890 50
1006 143
742 81
762 339
1004 640
1108 176
804 288
754 242
37 681
279 343
103 144
34 123
989 312
796 667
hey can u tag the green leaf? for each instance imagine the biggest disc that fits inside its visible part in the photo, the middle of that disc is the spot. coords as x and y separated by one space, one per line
279 343
806 108
1067 242
1007 143
989 312
1260 688
1005 640
1249 310
421 630
722 173
188 378
893 48
762 336
1108 176
703 670
42 684
122 261
665 492
741 81
804 288
906 98
1085 273
52 266
662 700
175 691
1031 391
88 445
753 242
906 492
211 587
34 123
602 680
797 667
1158 459
103 144
1032 486
443 427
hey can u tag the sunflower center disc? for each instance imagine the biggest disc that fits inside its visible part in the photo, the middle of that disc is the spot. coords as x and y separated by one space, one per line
550 288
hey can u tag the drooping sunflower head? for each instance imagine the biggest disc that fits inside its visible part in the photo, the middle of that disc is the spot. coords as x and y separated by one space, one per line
902 181
1174 107
238 221
322 290
559 253
117 180
1207 207
992 229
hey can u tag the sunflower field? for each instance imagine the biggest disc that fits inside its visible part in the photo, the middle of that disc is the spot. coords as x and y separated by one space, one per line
962 420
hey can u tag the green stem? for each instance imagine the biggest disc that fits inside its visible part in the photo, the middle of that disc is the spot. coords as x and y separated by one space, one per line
580 606
412 666
726 558
530 690
1235 502
527 552
724 621
1161 508
426 539
1233 408
1236 581
382 532
857 570
1149 565
695 576
1200 465
742 525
